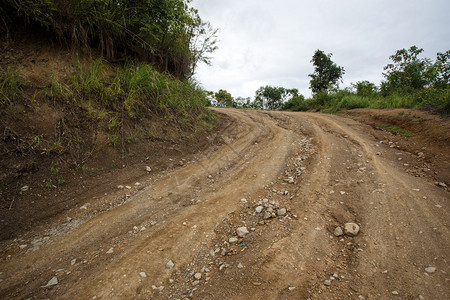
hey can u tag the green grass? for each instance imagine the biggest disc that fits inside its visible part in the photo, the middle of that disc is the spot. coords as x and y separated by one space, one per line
396 130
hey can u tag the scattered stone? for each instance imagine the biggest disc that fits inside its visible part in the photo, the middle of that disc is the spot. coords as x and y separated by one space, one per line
120 187
240 266
198 276
52 282
243 201
148 169
25 188
242 231
196 282
338 231
143 275
351 229
430 269
342 192
394 293
361 298
291 288
421 297
137 184
128 187
259 209
73 261
233 240
281 212
327 282
23 246
159 288
441 184
170 265
111 250
267 215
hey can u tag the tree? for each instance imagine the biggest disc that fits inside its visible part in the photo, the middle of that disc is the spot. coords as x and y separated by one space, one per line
365 88
326 72
273 97
224 99
408 73
167 33
441 70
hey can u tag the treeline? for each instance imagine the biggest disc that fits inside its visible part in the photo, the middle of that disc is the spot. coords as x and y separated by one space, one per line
409 82
166 33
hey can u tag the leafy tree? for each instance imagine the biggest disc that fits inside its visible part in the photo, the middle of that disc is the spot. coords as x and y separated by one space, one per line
441 71
273 97
408 73
326 72
296 103
224 99
365 88
167 33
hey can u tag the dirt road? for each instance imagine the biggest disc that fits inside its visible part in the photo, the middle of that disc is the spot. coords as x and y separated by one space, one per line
290 179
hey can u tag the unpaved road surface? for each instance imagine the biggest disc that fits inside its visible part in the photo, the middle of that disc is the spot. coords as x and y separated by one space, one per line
290 179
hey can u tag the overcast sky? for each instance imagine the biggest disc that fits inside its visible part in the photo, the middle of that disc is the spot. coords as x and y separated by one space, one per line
267 42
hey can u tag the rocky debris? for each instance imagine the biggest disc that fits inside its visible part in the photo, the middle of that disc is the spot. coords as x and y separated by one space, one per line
430 269
51 283
360 297
351 229
111 250
327 282
259 209
198 276
120 187
73 261
281 212
170 265
394 293
240 266
440 184
24 188
244 201
338 231
242 231
233 240
148 169
23 246
158 288
143 274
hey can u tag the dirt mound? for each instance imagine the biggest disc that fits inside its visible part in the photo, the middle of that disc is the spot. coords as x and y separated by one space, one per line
56 155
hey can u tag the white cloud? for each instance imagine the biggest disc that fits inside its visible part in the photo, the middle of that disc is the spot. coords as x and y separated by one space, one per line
264 42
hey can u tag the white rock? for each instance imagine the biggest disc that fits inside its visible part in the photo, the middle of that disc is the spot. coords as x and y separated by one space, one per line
242 231
52 282
170 265
430 269
120 187
394 293
23 246
198 276
281 212
351 229
240 266
243 201
73 261
128 187
327 282
259 209
111 250
148 169
233 240
291 288
338 231
143 275
25 188
196 282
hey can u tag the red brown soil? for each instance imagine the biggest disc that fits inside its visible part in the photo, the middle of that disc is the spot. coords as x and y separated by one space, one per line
341 173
